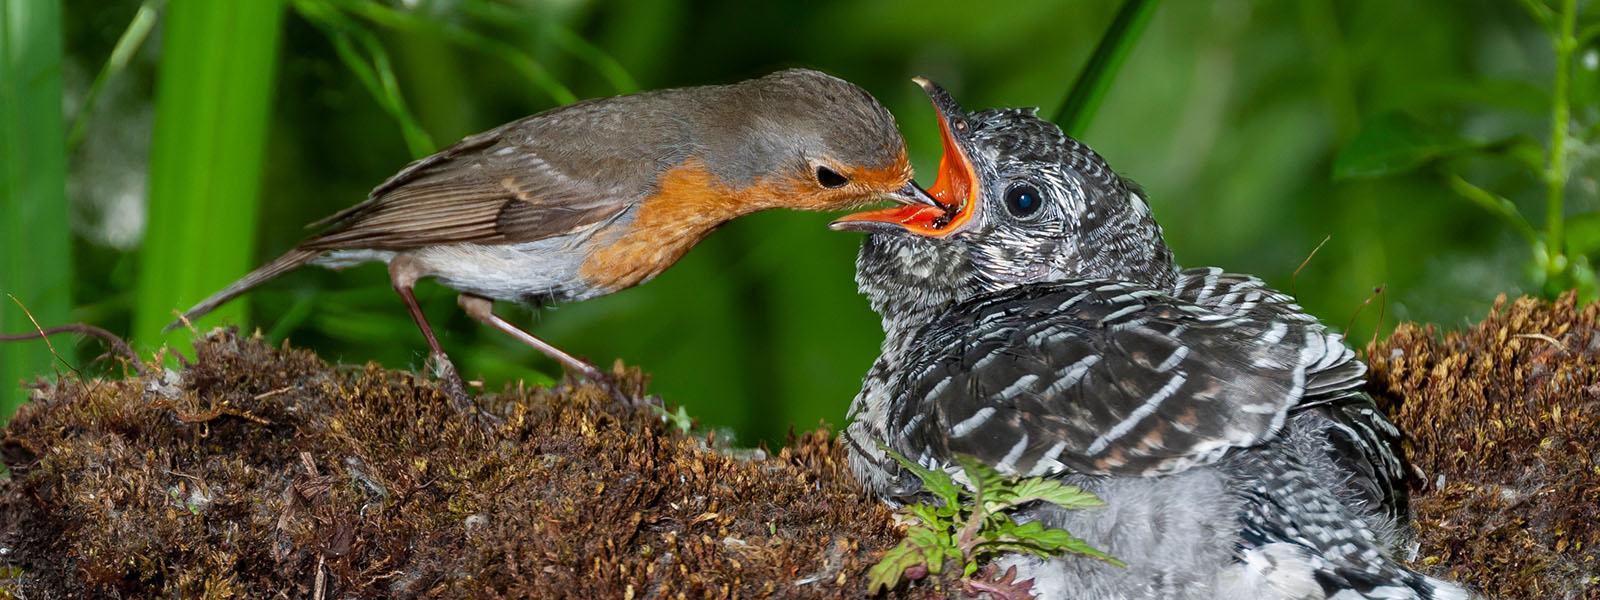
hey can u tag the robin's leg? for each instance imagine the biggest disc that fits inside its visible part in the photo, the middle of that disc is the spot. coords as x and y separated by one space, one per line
403 274
482 309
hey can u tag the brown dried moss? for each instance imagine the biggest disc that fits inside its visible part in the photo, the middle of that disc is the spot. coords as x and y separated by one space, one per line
1503 421
259 472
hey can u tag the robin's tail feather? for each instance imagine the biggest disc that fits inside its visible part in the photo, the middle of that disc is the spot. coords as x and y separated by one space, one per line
283 264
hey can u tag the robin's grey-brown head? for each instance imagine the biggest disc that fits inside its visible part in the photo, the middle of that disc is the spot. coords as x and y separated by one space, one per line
1022 203
816 139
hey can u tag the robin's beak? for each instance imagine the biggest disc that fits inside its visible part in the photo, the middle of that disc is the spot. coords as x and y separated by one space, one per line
945 206
912 195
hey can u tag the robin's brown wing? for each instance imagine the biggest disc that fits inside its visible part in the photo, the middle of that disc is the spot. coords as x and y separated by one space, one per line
1105 378
539 177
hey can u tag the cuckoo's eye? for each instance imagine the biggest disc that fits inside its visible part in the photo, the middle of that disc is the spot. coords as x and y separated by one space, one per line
830 178
1023 200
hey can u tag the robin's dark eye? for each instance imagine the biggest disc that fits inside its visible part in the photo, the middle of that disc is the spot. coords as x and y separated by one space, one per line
830 178
1023 200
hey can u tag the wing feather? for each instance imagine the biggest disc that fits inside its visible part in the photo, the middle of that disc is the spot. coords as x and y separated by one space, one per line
542 176
1116 383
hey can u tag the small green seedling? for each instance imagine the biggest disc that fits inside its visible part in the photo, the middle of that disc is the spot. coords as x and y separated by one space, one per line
679 419
968 527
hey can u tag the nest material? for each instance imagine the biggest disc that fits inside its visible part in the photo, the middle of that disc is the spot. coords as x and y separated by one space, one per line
258 471
1503 421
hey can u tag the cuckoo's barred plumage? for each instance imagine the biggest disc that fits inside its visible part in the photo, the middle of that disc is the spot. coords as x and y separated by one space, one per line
1040 324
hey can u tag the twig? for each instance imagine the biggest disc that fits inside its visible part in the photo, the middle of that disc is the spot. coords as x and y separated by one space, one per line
264 395
1305 262
1377 292
1539 336
42 333
321 581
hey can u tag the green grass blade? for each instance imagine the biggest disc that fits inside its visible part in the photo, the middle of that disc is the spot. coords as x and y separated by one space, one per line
377 75
518 59
207 144
565 39
1096 77
603 63
132 38
35 239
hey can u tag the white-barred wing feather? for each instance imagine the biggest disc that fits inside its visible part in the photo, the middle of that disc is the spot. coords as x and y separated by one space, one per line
1104 377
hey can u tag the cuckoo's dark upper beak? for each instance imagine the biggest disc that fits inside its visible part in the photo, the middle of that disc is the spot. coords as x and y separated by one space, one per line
951 196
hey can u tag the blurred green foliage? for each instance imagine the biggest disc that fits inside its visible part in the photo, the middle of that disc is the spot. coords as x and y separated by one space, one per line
1395 143
35 264
1232 114
206 147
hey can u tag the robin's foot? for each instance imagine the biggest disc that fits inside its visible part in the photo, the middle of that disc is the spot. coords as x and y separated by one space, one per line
612 385
455 390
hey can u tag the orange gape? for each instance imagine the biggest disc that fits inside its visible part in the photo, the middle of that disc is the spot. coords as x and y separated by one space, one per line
595 197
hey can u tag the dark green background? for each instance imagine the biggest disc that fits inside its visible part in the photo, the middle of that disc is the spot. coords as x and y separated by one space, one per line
1229 113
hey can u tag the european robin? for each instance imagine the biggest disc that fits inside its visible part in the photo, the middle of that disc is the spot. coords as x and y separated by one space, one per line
601 195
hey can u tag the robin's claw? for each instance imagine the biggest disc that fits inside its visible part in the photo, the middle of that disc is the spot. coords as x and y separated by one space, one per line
455 390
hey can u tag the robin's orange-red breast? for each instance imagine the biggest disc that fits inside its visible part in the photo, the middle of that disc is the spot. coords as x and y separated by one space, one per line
601 195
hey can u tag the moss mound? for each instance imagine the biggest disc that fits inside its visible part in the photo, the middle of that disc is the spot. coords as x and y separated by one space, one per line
259 471
1503 421
256 471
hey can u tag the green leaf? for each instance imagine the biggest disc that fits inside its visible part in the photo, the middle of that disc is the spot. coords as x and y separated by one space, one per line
1057 493
1520 149
992 487
887 573
929 515
937 482
518 18
1034 538
935 554
1393 143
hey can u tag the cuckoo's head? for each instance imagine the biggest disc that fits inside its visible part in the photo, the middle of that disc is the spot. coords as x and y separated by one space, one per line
1019 202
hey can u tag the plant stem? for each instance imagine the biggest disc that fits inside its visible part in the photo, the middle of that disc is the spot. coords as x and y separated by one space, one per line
1555 173
967 538
1089 89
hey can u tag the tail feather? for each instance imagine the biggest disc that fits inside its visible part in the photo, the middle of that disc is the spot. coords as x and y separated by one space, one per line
290 261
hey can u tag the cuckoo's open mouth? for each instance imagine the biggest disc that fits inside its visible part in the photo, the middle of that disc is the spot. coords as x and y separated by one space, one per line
953 190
